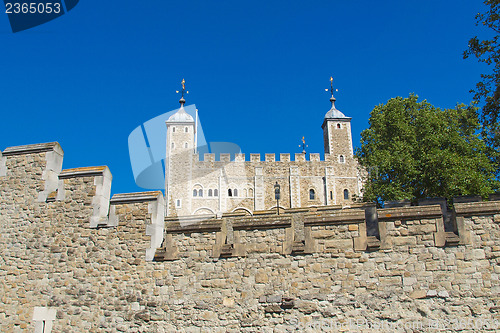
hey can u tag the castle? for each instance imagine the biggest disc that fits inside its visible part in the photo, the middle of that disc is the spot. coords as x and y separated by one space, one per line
74 259
195 186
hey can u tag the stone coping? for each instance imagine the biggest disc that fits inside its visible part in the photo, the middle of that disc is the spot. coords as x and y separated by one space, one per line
345 216
264 222
33 149
123 198
84 172
482 207
412 212
186 226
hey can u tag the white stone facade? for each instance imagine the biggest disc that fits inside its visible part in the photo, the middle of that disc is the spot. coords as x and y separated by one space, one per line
207 186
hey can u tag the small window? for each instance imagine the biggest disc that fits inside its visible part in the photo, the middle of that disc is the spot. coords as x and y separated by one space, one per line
173 129
346 194
312 195
235 192
210 192
195 193
331 195
216 193
245 193
338 126
186 129
178 203
200 192
173 146
341 159
185 145
229 193
250 192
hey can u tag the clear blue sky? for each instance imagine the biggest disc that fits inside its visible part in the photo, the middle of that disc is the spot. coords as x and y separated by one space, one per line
256 70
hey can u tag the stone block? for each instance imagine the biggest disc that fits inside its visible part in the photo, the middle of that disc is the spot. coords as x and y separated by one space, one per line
404 240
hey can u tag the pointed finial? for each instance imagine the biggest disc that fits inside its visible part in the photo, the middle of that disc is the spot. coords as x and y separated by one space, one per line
332 99
182 100
303 145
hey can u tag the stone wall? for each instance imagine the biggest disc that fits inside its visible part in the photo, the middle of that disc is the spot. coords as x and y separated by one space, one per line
76 260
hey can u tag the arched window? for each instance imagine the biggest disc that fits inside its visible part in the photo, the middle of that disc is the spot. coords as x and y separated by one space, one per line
173 129
229 193
210 192
311 194
346 194
186 130
195 193
216 193
200 192
173 146
331 195
178 203
235 192
341 159
245 193
250 192
338 125
185 145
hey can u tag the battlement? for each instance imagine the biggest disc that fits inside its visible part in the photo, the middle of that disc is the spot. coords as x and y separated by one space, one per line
257 158
329 229
66 243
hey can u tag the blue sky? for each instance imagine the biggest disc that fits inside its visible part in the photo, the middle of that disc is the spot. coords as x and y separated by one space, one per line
256 70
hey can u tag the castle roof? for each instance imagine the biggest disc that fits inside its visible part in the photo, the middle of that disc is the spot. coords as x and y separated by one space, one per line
181 116
334 113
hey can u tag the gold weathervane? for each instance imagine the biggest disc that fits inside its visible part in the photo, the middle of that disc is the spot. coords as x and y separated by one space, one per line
331 86
303 145
183 82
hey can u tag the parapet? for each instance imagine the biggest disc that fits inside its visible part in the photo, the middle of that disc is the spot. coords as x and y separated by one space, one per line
268 158
133 204
326 229
82 194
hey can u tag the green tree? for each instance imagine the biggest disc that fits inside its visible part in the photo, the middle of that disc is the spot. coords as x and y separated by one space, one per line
413 150
487 91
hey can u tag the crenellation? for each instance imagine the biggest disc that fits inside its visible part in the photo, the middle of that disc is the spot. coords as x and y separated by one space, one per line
270 157
284 157
209 158
299 157
155 221
239 157
3 166
245 270
254 158
225 158
314 157
101 181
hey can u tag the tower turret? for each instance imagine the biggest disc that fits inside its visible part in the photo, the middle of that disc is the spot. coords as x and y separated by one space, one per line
179 159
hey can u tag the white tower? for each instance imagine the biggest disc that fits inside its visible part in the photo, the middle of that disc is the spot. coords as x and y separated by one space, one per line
179 160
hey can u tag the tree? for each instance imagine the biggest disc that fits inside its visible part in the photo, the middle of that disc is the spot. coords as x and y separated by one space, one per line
487 91
413 150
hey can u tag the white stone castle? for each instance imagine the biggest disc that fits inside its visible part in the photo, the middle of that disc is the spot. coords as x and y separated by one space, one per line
210 187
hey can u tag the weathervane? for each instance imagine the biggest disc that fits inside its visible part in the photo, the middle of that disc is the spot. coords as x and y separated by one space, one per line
182 100
331 86
303 145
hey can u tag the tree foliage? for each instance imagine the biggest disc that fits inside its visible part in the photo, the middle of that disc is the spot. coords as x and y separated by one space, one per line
413 150
487 91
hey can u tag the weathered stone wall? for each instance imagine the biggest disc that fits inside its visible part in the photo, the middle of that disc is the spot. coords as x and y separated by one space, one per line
82 262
